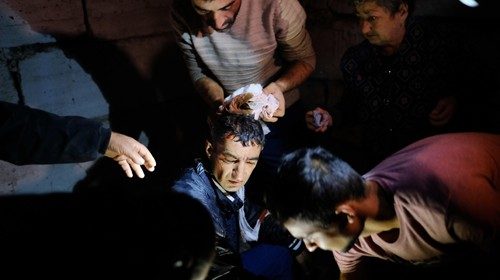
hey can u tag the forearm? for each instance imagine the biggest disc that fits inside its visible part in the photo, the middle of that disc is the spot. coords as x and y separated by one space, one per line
31 136
294 76
211 92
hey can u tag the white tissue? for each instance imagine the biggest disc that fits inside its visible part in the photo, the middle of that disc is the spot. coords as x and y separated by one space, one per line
317 118
259 102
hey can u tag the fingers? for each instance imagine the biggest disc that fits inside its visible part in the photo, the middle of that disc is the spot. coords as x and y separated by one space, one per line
239 104
265 116
443 112
122 161
130 154
280 112
437 113
271 119
318 120
439 121
136 156
142 157
149 160
129 166
310 121
441 115
136 167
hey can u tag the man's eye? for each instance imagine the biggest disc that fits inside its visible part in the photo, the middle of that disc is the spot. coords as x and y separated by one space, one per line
372 19
252 162
233 161
202 12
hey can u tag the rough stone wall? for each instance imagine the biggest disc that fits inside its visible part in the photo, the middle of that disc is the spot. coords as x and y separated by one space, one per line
43 66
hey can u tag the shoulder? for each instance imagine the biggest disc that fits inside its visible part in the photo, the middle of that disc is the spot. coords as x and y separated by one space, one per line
347 261
287 9
454 146
194 179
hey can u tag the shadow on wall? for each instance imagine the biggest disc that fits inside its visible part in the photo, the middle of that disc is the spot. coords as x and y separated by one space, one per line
163 108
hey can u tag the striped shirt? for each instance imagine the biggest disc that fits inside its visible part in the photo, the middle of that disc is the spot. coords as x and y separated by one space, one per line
266 36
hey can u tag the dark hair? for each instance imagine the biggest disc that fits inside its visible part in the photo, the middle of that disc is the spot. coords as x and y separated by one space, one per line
391 5
244 128
311 183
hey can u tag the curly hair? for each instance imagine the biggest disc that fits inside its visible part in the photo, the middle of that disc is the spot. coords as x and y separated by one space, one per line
244 129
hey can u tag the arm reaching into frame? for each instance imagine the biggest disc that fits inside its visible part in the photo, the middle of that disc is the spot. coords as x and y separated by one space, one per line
130 154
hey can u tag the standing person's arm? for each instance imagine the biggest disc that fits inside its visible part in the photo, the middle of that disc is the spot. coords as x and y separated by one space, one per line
209 89
295 47
32 136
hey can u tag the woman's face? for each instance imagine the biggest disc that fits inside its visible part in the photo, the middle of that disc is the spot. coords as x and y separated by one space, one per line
378 26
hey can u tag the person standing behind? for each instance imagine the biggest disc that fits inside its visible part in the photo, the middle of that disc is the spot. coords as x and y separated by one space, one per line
431 209
32 136
401 83
242 227
229 44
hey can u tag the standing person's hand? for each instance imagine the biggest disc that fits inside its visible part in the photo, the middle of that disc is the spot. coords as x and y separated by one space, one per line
276 91
130 154
318 120
444 111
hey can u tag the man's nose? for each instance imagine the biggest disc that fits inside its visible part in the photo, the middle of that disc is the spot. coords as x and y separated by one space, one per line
311 246
365 26
238 171
217 19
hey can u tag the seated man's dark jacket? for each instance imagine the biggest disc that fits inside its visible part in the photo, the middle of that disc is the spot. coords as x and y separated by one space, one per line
32 136
197 183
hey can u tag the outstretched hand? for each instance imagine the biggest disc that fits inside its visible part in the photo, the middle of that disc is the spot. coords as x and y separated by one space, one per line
130 154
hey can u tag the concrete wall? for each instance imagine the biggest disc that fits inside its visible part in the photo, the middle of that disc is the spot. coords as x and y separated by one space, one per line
43 66
110 58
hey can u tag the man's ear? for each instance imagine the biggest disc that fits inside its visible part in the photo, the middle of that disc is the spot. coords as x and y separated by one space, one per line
347 210
403 11
209 149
